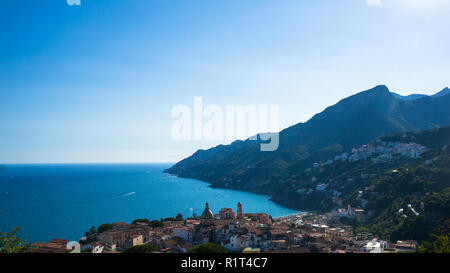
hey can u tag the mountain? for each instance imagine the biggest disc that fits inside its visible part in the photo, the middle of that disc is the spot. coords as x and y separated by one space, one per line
444 92
409 97
405 195
350 123
412 97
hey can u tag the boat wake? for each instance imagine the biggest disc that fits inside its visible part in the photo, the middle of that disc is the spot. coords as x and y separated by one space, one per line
123 195
128 194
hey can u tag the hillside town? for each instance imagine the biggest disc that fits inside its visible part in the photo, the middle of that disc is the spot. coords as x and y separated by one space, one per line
378 152
238 232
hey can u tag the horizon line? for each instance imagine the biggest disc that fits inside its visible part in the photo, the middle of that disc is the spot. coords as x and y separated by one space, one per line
83 163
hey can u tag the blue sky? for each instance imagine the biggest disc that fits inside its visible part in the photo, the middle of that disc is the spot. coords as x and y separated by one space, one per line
97 82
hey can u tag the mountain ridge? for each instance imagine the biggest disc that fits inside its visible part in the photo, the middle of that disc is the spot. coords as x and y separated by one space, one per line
351 122
384 177
412 97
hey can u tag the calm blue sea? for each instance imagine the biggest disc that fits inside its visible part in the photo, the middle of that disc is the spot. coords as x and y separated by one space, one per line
63 201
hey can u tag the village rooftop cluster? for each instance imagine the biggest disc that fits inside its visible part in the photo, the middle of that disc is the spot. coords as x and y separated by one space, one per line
378 152
239 233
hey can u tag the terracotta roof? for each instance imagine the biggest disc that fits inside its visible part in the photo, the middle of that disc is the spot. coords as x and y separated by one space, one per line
48 250
59 241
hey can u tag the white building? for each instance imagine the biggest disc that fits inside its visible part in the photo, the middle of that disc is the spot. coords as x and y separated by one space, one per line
374 246
74 246
349 213
95 247
237 243
183 233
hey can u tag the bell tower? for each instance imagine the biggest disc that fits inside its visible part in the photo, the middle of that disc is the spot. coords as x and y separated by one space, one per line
239 210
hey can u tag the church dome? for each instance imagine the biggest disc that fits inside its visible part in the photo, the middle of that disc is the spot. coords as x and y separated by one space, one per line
207 213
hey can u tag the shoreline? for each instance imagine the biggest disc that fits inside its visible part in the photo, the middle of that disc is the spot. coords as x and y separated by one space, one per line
133 194
271 198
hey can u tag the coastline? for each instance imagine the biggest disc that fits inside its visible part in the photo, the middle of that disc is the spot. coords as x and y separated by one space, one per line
271 197
69 199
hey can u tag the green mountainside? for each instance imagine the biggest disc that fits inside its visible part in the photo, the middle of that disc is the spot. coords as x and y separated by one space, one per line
382 188
350 123
381 184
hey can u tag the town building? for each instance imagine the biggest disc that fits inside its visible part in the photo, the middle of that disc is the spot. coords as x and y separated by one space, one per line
227 213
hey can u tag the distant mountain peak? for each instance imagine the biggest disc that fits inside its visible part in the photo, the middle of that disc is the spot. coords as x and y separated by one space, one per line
381 87
376 94
442 93
380 90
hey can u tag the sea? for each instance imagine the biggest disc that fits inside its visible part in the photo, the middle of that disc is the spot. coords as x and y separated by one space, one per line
65 200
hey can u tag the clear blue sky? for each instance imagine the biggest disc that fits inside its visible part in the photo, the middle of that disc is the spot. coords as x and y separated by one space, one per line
97 82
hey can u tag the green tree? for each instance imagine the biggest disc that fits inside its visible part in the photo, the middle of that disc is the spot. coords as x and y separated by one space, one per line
91 235
11 243
441 244
105 227
146 221
149 248
208 248
156 223
92 230
179 217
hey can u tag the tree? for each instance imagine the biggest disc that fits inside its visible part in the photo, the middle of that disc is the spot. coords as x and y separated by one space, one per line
441 244
156 223
92 230
91 235
11 243
148 248
208 248
90 238
105 227
146 221
179 217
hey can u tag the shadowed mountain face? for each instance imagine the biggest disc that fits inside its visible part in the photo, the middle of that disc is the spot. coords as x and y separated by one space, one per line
444 92
412 97
409 97
350 123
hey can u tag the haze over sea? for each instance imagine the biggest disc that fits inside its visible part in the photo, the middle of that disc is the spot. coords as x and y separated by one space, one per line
64 200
